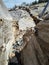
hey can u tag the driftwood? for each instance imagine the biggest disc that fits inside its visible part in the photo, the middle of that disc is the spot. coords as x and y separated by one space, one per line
46 17
36 50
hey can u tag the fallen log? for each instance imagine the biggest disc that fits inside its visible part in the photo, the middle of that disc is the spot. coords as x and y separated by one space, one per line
35 52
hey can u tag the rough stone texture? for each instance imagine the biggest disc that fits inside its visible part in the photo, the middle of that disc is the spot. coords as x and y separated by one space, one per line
18 14
26 23
6 35
36 48
5 31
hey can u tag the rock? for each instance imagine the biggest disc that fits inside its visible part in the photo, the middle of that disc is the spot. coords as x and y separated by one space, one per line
26 23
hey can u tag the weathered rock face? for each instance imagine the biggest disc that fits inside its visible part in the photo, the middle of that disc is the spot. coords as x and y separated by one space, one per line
24 19
26 23
5 24
6 36
18 14
14 31
5 32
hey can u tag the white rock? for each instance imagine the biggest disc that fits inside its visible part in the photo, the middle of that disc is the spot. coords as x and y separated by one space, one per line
25 23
